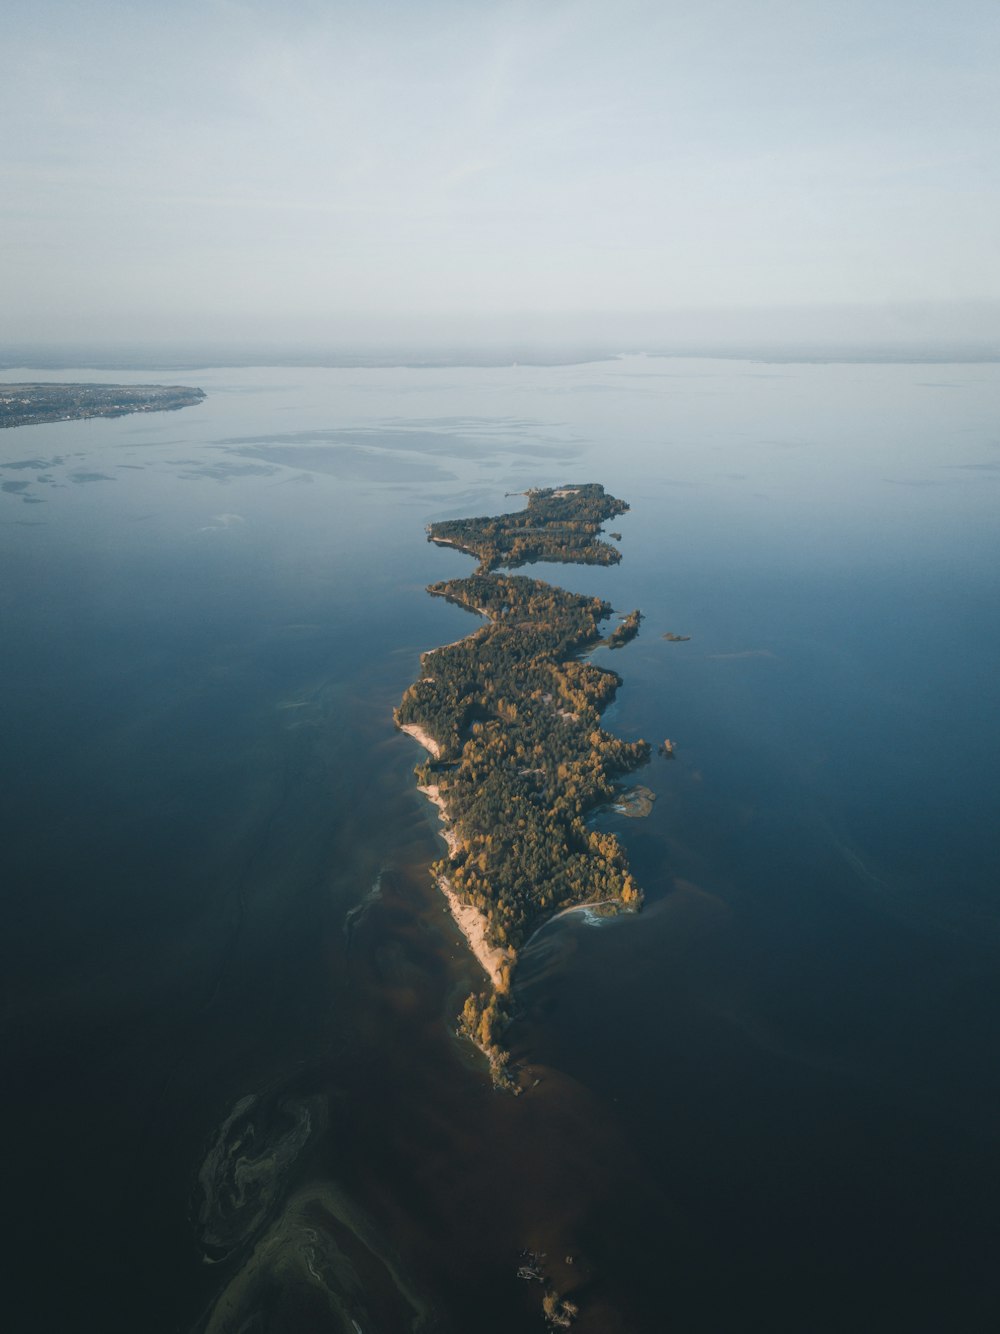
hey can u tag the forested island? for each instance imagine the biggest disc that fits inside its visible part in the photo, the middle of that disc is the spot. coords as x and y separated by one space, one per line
30 404
511 718
560 524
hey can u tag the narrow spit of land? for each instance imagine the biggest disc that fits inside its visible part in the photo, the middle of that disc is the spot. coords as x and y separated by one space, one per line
511 718
31 404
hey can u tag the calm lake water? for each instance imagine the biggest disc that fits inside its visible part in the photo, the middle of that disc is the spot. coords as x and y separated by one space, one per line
233 1097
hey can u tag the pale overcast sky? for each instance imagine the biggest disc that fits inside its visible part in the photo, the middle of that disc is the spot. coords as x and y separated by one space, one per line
240 167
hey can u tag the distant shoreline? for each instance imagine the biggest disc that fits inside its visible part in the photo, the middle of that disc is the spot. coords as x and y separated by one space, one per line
34 404
172 359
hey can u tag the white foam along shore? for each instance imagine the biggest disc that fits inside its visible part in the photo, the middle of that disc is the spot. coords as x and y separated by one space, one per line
471 922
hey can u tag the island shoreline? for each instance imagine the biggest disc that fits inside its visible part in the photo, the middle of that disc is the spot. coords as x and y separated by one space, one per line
470 921
510 718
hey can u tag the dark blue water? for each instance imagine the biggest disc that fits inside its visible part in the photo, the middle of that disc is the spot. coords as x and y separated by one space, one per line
769 1102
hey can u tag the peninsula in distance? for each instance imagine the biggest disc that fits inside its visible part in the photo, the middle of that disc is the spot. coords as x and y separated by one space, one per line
31 404
511 718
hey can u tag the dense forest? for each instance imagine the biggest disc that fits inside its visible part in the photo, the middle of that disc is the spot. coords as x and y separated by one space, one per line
628 629
515 713
558 524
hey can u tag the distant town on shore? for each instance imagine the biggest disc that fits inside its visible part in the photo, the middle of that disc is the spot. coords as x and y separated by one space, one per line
31 404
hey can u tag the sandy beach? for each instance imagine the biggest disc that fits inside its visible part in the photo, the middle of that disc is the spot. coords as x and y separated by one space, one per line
418 734
447 542
471 922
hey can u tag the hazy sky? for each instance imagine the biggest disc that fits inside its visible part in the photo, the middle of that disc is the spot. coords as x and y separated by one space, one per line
239 167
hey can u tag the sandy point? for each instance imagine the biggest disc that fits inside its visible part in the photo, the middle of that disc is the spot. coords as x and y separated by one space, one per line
471 922
425 739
